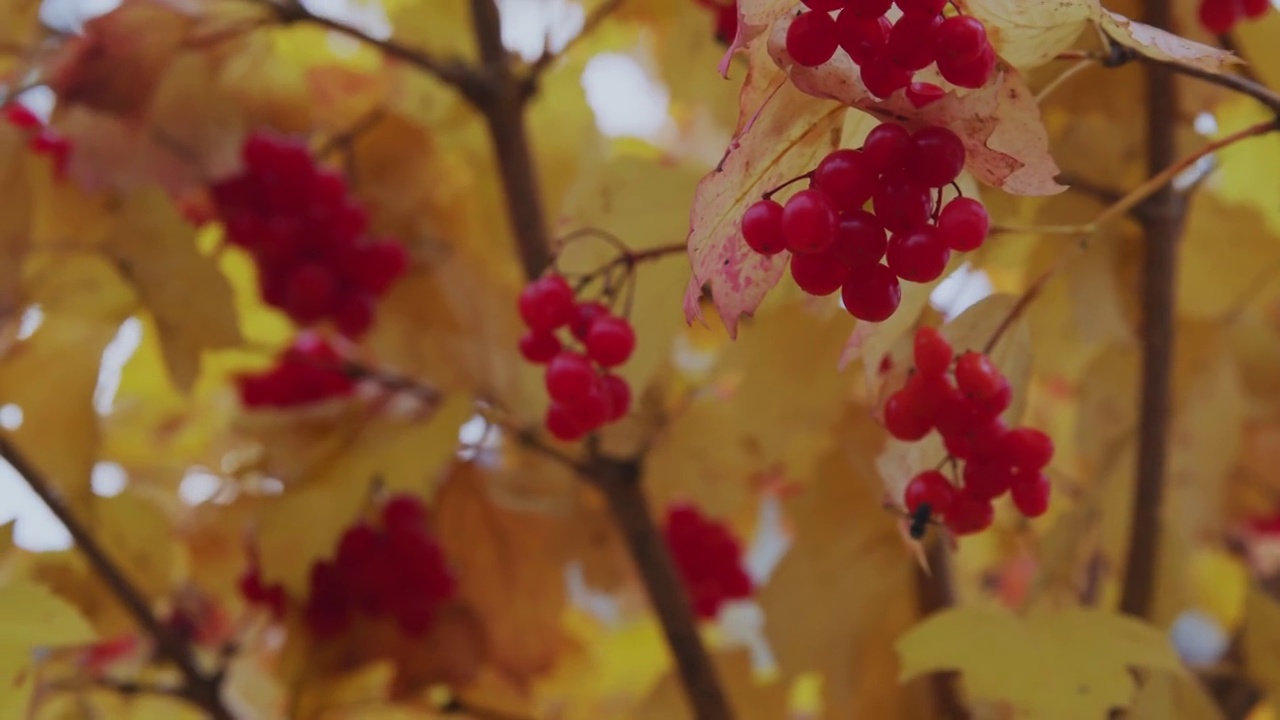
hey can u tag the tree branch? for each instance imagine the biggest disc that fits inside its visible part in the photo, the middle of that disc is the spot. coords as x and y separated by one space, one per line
201 689
934 594
1162 226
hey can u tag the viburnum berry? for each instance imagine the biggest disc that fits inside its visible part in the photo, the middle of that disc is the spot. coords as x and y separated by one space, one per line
569 376
912 43
819 274
310 370
902 205
1254 9
882 76
811 38
708 558
809 221
921 7
931 351
903 419
610 341
871 292
968 515
931 487
867 8
935 156
919 255
547 303
22 117
920 94
762 227
961 39
963 224
539 347
983 383
863 38
1219 16
563 423
1028 449
969 73
847 178
1031 494
404 510
860 239
619 394
824 5
584 315
886 146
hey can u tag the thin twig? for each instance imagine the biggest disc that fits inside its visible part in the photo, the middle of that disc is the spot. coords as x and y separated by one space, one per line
539 67
200 689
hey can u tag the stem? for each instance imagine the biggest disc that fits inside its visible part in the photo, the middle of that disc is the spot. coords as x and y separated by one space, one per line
1161 226
619 480
200 689
1228 42
503 108
934 594
529 85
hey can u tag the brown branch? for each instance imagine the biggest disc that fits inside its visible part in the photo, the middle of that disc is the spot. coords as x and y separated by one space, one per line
934 594
529 83
1228 42
1162 227
200 689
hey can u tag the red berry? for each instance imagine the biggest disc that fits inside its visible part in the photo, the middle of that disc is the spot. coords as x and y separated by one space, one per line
824 5
961 39
867 8
547 303
980 439
1219 16
920 94
1031 494
930 487
1028 449
1254 9
583 316
619 394
811 39
903 419
819 274
404 511
311 293
328 611
847 178
931 351
354 315
987 479
902 205
919 255
935 156
968 515
22 117
970 73
983 383
762 227
356 546
956 413
871 293
563 423
611 340
860 239
863 38
809 221
963 224
569 376
539 347
932 392
882 76
886 146
591 411
912 43
378 265
921 7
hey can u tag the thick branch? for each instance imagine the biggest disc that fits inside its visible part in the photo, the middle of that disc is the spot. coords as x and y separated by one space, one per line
934 594
200 689
619 480
1162 226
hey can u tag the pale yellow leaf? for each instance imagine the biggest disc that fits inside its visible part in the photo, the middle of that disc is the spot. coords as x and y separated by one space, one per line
138 537
1027 33
1161 45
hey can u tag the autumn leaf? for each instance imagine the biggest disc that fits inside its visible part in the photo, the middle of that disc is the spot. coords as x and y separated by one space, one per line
1070 663
31 618
1162 45
1026 33
751 697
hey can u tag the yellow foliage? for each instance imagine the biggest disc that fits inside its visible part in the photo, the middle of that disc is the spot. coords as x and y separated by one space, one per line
32 617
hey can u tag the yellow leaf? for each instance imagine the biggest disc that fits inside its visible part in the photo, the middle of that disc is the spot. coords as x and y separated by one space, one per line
1026 33
1260 640
1066 664
1172 697
138 537
1213 281
191 301
339 696
1162 45
31 618
750 697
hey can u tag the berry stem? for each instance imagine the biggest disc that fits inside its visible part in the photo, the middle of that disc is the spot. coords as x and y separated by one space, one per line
768 194
198 687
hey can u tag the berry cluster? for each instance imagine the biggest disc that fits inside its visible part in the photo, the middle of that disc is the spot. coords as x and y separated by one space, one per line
708 558
309 370
964 405
836 244
1220 16
726 18
584 395
41 139
308 236
889 54
396 569
255 592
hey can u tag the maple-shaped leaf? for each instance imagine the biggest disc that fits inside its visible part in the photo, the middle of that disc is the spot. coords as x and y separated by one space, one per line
1055 665
1004 137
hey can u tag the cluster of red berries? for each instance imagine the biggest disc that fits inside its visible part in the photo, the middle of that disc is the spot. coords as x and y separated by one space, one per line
1220 16
584 395
726 18
888 54
308 236
41 139
708 558
965 410
836 244
255 592
394 569
309 370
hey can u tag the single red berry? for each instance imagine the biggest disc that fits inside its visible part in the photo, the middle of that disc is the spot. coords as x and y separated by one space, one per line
956 413
932 392
961 39
539 347
824 5
569 376
871 293
404 511
312 293
979 440
935 156
563 423
357 545
970 73
863 38
912 43
1031 494
902 417
726 22
902 205
619 394
931 351
983 383
584 315
819 274
251 587
809 221
886 146
920 94
968 515
1254 9
22 117
963 224
930 487
1219 16
867 8
918 255
1028 449
547 303
762 227
355 314
847 178
921 7
811 39
882 76
860 239
592 410
611 340
987 479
